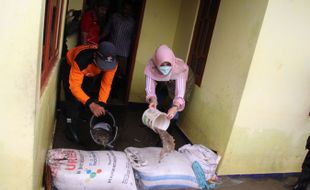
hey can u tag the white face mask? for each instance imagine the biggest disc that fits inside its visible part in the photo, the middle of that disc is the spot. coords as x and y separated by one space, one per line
165 70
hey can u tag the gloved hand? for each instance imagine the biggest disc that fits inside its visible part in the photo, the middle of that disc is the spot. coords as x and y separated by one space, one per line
172 111
96 109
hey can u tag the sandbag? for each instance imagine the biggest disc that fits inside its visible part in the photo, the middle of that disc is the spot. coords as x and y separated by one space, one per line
93 170
206 158
174 171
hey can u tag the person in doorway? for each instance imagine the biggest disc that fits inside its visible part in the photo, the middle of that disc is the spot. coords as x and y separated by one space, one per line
92 69
93 21
120 31
164 68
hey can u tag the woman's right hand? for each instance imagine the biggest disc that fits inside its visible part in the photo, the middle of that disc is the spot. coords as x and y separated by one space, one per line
153 103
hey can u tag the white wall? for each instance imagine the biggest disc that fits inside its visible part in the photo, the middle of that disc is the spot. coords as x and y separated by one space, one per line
20 52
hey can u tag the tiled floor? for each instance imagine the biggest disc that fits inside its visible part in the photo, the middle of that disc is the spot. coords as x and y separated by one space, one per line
133 133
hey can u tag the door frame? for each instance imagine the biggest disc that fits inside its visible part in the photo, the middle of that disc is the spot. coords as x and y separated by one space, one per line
209 16
134 52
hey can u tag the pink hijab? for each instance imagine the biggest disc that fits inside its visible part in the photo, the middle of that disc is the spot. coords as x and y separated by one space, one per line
164 54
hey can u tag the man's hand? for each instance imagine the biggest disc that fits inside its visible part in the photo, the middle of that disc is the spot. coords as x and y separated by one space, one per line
153 103
96 109
171 112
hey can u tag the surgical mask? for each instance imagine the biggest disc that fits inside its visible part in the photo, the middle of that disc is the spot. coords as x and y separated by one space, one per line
165 70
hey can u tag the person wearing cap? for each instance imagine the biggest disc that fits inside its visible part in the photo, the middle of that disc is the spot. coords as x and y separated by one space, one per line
90 61
165 68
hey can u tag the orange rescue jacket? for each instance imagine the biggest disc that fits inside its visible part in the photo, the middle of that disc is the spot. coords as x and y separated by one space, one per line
76 76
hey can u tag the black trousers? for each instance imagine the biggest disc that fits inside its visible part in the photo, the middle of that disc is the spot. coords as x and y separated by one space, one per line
77 114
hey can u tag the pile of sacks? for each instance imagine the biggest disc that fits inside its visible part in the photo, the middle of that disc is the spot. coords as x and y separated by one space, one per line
191 167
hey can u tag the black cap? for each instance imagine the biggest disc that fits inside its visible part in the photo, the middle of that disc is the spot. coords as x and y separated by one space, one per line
106 56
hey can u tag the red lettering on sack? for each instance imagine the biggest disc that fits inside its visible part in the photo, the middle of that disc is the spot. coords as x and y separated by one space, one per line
72 160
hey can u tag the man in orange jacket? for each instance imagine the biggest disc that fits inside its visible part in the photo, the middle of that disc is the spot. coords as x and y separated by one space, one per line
88 63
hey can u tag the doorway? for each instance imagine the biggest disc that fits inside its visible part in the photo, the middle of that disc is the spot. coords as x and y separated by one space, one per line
119 94
121 84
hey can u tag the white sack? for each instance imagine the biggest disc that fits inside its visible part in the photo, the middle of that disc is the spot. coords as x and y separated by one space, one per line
207 159
93 170
174 171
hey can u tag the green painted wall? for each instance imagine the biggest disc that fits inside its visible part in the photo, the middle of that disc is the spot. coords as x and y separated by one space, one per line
44 129
72 40
272 124
45 120
209 117
185 28
159 27
20 34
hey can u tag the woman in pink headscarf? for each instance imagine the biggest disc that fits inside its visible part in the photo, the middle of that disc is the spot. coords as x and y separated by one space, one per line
165 67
